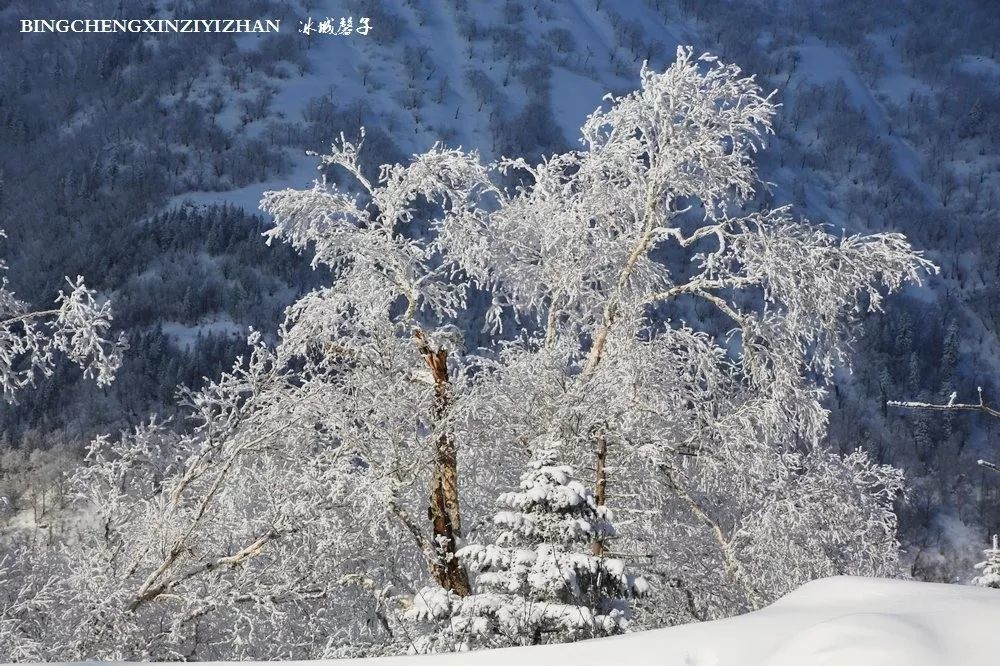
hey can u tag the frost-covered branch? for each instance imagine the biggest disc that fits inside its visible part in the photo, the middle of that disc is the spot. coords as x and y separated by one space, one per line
951 405
79 327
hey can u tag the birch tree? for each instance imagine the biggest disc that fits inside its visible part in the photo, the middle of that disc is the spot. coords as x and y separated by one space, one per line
673 340
607 245
387 283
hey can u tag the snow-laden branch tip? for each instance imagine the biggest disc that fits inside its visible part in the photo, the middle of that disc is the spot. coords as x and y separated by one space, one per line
78 327
988 465
951 405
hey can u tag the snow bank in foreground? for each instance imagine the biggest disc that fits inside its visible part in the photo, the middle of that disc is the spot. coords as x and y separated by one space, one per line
839 621
832 622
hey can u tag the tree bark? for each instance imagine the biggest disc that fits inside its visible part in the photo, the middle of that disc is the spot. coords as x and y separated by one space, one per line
443 509
732 562
600 486
610 315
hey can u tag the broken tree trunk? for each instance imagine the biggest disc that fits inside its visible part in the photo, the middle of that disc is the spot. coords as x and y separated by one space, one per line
443 510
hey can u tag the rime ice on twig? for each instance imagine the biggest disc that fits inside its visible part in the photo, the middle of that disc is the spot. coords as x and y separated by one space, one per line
980 406
78 327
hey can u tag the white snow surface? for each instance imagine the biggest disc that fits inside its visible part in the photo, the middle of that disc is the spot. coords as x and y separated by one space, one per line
840 621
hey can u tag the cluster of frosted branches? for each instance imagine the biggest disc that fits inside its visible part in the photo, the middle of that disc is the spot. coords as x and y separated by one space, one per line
78 327
241 530
366 243
24 599
29 343
674 345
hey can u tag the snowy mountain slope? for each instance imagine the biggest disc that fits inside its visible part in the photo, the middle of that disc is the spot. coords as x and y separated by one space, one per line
889 122
820 64
457 50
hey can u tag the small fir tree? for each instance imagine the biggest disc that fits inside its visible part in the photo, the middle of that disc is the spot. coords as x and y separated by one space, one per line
539 581
990 577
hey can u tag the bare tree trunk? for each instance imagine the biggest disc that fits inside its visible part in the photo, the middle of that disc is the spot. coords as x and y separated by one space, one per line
733 563
600 486
443 510
610 316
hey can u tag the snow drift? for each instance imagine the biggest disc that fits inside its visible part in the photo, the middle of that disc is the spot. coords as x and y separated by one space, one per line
840 621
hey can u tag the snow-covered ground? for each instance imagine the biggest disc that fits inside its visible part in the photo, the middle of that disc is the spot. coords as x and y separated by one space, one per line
840 621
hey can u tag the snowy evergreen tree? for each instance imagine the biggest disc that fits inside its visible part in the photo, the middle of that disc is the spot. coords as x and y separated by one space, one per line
538 582
990 576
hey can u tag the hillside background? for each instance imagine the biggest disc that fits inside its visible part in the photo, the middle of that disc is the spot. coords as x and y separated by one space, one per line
138 160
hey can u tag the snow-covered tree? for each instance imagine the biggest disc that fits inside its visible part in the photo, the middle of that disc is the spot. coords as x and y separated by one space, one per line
538 582
672 338
30 340
308 468
683 342
990 567
29 343
389 321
